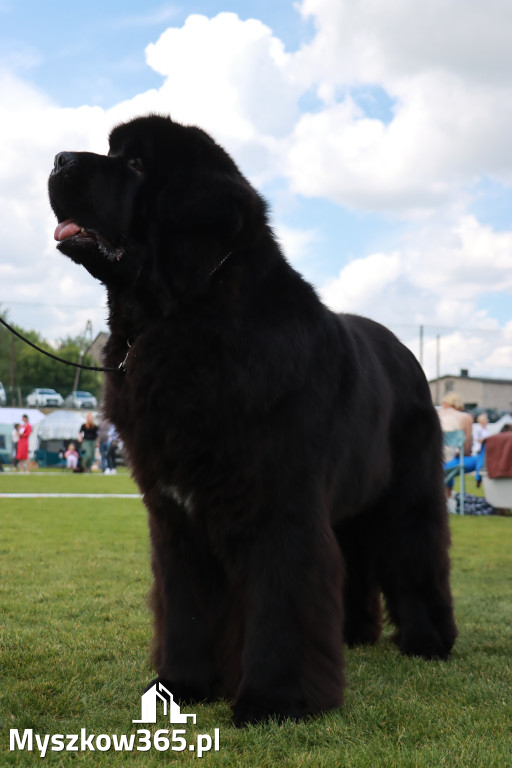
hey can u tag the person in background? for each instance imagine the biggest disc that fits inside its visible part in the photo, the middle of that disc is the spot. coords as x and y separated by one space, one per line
24 431
113 439
88 438
15 438
71 456
480 433
453 417
104 443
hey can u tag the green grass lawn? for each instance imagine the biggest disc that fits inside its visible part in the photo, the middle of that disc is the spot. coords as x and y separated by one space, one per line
63 481
75 632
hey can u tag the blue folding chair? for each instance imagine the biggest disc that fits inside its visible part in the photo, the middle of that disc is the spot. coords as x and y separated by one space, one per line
456 439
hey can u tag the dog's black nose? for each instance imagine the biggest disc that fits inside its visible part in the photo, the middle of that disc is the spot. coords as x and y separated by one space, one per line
62 159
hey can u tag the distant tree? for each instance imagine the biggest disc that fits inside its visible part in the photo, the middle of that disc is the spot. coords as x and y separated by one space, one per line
5 351
71 349
33 369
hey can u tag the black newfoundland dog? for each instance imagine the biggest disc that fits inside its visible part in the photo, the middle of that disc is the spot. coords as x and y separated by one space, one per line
290 458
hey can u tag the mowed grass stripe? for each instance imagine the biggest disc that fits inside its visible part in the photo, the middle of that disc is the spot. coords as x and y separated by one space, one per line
69 495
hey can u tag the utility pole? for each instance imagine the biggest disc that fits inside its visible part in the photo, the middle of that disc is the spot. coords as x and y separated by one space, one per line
12 371
438 366
421 345
87 336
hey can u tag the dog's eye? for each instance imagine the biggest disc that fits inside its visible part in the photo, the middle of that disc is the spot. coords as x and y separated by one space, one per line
137 164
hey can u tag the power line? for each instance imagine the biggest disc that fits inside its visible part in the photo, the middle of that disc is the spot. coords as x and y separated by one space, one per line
389 324
50 306
444 328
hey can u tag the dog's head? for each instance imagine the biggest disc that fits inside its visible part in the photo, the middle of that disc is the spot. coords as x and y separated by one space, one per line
166 202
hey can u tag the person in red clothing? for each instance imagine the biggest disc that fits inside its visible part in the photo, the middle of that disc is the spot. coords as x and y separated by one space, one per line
25 431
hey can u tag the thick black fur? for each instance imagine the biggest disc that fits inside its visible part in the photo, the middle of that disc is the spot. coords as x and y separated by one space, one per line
290 458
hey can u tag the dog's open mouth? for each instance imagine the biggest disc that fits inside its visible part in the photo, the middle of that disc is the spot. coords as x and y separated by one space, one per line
69 230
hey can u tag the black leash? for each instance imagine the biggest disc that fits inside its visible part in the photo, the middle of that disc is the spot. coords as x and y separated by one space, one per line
121 366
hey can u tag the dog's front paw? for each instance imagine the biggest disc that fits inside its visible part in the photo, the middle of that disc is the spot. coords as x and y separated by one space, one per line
429 646
258 710
180 691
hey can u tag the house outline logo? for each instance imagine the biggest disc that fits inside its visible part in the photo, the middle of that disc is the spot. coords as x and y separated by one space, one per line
149 700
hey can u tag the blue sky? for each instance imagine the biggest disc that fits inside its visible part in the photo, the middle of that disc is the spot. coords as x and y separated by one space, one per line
380 137
93 52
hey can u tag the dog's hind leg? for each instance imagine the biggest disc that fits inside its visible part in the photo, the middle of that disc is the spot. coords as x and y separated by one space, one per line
361 592
414 566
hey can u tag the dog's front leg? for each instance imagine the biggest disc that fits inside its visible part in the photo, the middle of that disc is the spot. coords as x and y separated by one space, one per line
292 657
182 648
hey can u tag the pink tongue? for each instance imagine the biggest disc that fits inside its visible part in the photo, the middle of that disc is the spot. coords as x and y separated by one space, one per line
66 229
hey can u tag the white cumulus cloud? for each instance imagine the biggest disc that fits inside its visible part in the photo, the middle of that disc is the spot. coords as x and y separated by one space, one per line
446 77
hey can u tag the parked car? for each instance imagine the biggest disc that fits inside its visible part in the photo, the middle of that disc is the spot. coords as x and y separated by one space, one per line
3 397
80 399
44 398
492 413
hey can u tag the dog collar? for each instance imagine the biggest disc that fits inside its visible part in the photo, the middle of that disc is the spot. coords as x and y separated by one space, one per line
219 265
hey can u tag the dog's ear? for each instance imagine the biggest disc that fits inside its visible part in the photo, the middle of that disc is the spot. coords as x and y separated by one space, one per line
219 204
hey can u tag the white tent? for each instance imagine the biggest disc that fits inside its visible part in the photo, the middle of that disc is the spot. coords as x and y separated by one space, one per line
61 425
55 432
13 415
